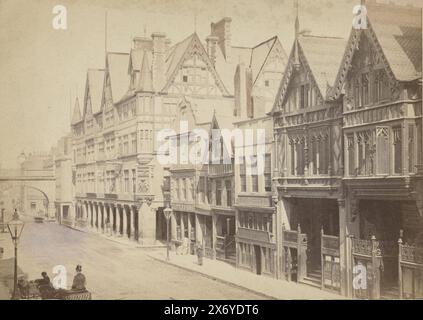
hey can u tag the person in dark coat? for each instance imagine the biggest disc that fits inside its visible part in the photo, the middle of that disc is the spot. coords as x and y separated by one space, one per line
79 280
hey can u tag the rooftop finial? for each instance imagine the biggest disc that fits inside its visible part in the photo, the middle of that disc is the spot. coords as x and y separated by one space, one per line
297 22
105 36
297 33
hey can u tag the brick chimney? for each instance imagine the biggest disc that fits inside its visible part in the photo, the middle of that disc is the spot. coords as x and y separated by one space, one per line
243 87
212 47
222 30
158 64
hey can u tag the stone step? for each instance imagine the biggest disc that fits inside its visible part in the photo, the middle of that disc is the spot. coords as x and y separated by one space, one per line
311 282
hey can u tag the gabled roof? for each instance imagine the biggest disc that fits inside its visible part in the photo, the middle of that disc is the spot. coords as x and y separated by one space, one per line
204 109
260 53
136 56
117 65
176 52
95 79
177 55
76 117
145 82
322 55
399 31
397 34
254 58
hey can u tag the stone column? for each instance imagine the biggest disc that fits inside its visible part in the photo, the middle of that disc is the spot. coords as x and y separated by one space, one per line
114 219
134 223
343 249
173 225
214 234
118 220
138 221
189 226
90 212
85 214
198 230
102 217
147 223
97 224
124 222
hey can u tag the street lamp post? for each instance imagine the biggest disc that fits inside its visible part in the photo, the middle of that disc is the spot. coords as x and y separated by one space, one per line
15 227
167 213
2 220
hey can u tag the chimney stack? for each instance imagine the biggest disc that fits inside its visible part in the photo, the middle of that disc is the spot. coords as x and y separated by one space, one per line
243 86
212 47
222 30
159 56
240 91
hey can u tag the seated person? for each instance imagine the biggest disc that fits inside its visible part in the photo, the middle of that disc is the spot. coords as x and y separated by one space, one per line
23 287
44 286
79 280
44 281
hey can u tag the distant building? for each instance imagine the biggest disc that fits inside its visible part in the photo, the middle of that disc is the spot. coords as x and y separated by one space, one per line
65 184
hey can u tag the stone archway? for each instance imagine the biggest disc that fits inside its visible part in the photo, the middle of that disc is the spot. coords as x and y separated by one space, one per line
42 190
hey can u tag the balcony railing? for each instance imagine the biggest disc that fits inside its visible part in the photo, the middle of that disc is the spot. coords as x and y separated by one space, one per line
260 201
254 234
220 169
311 181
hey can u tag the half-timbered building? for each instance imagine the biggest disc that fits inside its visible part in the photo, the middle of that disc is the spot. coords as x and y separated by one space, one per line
379 82
308 163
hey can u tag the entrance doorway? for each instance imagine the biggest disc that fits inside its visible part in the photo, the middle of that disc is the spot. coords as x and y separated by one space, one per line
313 215
257 252
161 225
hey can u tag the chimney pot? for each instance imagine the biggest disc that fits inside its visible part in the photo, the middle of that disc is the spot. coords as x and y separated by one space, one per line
222 30
158 64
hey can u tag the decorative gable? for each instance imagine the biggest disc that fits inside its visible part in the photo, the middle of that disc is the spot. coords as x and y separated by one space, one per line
363 52
194 74
298 88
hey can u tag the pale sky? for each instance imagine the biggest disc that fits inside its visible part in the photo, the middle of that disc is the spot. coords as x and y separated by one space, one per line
41 68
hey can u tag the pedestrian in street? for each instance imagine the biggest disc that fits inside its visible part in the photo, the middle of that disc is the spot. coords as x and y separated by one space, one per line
79 280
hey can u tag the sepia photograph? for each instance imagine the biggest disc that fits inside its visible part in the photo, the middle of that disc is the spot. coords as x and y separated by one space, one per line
237 150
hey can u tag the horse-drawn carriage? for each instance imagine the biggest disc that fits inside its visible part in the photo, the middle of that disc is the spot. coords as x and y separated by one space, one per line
39 217
34 290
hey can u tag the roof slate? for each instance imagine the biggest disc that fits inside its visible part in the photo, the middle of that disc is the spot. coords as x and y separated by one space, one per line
118 70
323 55
399 32
76 117
95 78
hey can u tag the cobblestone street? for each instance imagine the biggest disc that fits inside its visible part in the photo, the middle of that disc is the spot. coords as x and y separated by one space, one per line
113 270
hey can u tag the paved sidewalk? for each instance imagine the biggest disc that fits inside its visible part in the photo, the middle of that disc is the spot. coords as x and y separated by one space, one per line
121 240
269 287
